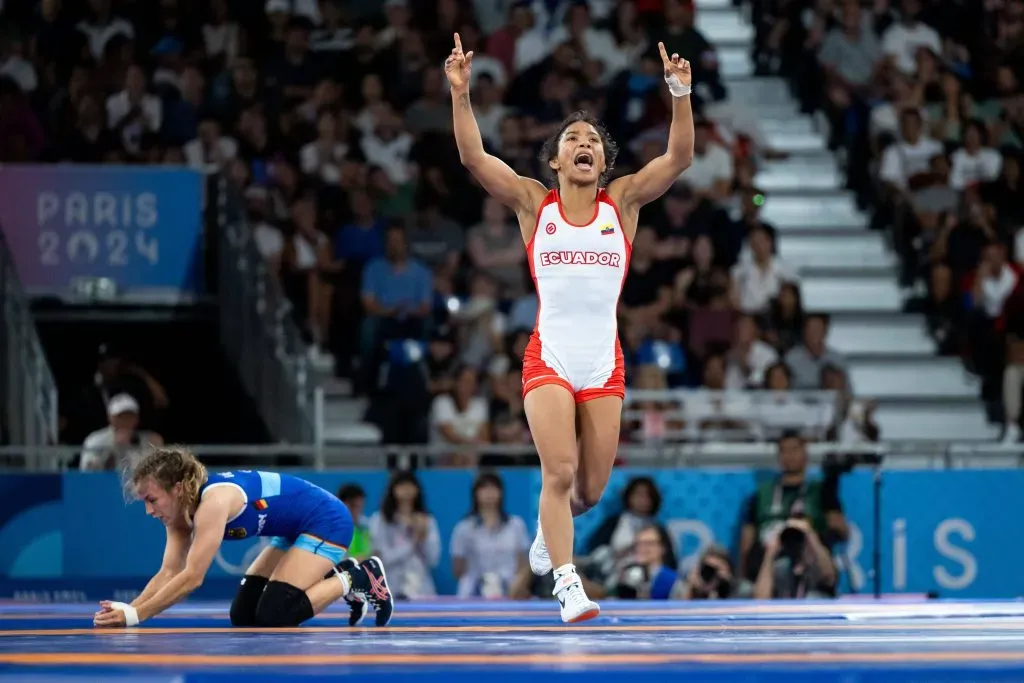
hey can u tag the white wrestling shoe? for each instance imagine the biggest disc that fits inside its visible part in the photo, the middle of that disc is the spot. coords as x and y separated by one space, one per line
540 561
576 606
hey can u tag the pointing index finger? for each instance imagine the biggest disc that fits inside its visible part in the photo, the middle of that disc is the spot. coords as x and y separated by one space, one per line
664 54
458 43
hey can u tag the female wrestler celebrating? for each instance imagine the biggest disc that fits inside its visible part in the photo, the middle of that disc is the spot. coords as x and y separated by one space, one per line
578 237
302 571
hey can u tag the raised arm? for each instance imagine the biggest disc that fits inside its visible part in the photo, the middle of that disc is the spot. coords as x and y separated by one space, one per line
497 178
653 180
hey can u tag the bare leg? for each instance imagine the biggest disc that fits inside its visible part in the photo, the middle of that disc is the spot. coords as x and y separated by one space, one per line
551 412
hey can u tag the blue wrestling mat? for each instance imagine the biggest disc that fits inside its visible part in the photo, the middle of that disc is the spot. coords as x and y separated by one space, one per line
466 642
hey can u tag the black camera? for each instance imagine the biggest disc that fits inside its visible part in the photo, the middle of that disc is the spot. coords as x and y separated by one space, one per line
791 544
713 579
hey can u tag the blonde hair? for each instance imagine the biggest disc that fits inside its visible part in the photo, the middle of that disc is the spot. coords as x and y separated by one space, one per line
168 466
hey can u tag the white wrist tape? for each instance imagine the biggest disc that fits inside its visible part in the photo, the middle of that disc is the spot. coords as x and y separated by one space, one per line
677 87
131 615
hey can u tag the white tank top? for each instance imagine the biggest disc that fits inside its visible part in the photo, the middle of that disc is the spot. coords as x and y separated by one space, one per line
579 271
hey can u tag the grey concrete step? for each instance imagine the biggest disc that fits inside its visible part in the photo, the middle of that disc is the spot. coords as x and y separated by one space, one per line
840 252
791 213
913 378
841 293
960 420
724 27
887 336
801 176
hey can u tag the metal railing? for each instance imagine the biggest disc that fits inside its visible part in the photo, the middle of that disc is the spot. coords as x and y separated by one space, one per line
711 415
694 415
256 326
28 404
901 455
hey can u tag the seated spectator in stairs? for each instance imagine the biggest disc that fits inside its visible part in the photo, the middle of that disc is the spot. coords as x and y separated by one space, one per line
808 358
783 322
990 286
755 282
850 55
647 291
975 162
495 245
854 421
710 174
749 357
902 40
406 537
461 418
396 293
732 241
121 441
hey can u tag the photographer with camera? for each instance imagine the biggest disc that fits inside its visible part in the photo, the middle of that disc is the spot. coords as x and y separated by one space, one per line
796 565
651 574
710 579
787 497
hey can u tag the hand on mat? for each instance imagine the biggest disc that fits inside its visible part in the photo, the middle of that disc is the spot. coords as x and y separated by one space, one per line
108 617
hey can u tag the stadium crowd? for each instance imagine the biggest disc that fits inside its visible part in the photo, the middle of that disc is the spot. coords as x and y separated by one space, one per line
924 104
332 120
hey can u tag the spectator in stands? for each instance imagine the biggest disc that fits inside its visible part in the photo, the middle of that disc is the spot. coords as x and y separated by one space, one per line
749 357
460 418
806 360
610 547
496 246
396 297
903 39
777 503
119 442
646 294
755 282
711 173
90 406
854 420
989 288
354 498
784 321
488 546
406 538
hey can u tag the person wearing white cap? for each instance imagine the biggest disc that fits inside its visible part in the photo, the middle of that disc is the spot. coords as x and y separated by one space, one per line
121 437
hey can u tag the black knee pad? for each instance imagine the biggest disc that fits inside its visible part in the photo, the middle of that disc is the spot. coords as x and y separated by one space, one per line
243 607
283 605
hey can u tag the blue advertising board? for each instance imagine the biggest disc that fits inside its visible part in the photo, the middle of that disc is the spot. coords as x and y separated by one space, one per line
140 227
954 532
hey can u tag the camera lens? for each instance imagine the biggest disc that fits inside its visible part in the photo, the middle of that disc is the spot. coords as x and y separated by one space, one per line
708 573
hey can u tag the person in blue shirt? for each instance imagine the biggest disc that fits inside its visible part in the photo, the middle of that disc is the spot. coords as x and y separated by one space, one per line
301 572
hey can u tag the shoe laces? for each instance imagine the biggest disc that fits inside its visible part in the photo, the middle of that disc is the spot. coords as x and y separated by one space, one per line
573 594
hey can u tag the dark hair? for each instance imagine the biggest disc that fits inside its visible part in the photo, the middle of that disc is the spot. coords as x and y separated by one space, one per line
652 488
549 150
350 492
389 506
668 550
488 479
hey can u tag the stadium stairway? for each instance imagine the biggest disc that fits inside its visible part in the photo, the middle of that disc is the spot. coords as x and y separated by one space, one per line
845 268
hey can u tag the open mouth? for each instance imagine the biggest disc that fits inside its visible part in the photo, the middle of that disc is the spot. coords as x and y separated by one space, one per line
584 161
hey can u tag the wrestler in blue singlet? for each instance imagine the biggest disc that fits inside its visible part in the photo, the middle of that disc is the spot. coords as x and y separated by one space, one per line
290 510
